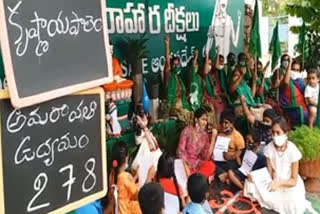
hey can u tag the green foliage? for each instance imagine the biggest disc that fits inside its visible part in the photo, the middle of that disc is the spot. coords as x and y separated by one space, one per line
274 8
135 50
309 11
307 140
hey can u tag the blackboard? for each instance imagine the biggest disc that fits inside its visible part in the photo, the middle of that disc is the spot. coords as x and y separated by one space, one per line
53 48
53 156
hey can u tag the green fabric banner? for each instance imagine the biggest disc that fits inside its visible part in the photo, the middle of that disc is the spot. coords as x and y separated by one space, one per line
190 24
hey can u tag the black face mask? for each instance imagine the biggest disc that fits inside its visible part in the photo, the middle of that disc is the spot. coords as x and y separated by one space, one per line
265 127
231 62
251 146
227 131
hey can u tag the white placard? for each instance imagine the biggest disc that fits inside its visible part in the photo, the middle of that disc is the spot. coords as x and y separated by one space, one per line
171 204
144 165
181 175
221 146
262 179
248 161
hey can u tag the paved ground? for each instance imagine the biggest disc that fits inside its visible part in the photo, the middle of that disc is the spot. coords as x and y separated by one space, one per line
225 200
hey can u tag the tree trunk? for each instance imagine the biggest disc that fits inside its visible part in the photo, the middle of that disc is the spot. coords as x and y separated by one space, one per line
137 79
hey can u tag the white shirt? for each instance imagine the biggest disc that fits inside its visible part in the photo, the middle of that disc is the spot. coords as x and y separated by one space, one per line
311 92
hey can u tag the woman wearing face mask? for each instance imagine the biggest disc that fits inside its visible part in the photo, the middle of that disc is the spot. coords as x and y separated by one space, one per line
176 90
215 86
287 192
196 146
126 184
148 145
238 82
292 89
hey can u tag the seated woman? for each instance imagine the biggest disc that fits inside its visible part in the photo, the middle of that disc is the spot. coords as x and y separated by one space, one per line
238 87
167 178
125 182
292 89
196 146
287 192
147 143
215 84
176 90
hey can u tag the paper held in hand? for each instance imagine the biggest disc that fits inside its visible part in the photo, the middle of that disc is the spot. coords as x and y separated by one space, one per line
145 164
171 203
262 179
249 159
181 175
221 146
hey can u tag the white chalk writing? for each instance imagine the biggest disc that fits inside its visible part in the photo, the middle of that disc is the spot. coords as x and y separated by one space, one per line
38 186
18 120
130 20
44 27
47 150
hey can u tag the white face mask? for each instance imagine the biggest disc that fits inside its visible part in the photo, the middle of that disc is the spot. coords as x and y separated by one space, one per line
220 67
209 68
295 75
285 64
280 140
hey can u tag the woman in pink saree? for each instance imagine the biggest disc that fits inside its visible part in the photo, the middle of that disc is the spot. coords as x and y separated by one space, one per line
196 145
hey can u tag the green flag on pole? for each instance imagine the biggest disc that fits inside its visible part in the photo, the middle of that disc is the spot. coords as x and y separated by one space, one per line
275 47
255 43
303 44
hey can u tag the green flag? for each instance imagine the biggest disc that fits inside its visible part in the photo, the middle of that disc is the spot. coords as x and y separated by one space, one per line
255 43
275 47
303 44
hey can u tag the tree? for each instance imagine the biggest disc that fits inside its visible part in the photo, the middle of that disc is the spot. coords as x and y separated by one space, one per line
309 11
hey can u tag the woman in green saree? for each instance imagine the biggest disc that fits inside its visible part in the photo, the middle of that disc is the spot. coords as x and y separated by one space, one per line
176 90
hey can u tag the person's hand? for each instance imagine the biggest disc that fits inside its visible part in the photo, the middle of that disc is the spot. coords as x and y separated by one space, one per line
242 99
268 63
186 168
218 49
196 54
275 185
250 178
166 40
251 64
142 122
135 173
214 133
151 173
228 155
254 76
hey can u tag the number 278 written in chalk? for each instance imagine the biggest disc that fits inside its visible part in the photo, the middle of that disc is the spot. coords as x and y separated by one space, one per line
41 182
